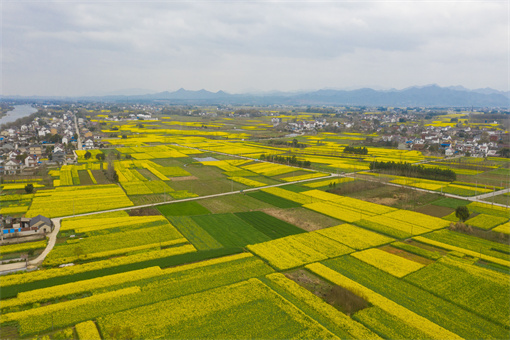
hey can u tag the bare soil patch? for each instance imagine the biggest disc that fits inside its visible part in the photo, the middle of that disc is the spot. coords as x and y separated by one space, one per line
434 210
84 177
303 218
147 211
100 177
342 299
388 201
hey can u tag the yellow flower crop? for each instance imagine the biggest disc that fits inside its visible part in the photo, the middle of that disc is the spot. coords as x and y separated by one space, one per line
14 209
486 208
135 188
64 202
22 247
197 316
39 275
337 211
504 228
20 186
247 181
296 250
462 250
302 177
286 252
393 264
50 293
354 237
223 165
336 318
290 195
269 169
366 208
155 172
115 244
484 221
67 313
321 195
419 219
407 228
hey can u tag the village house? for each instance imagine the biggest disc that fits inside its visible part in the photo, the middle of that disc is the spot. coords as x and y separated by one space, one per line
35 149
89 144
12 167
31 161
19 227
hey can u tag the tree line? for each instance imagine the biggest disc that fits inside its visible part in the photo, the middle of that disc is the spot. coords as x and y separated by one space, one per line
294 144
285 160
418 171
357 150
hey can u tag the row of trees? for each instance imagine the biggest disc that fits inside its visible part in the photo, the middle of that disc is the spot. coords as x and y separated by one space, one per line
294 144
357 150
285 160
419 171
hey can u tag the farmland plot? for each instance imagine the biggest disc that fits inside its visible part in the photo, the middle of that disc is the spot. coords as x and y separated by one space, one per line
248 309
467 285
230 230
443 313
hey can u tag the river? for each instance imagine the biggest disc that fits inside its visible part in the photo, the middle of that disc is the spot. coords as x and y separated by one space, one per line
19 111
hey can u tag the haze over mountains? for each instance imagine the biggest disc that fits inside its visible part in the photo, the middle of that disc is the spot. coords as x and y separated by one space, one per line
422 96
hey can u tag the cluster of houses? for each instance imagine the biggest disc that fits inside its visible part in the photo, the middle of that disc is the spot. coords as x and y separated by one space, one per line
462 140
11 227
25 159
24 148
458 141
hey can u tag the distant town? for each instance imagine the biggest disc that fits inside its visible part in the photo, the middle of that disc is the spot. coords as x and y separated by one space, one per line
55 131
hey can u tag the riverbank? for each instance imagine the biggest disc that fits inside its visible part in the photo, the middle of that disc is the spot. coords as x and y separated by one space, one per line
17 115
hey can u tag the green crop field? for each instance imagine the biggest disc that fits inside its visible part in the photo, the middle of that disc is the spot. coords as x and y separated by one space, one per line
200 238
445 314
269 225
460 283
471 243
230 230
273 200
233 203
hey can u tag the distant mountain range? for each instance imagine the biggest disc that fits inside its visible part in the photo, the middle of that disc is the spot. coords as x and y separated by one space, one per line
423 96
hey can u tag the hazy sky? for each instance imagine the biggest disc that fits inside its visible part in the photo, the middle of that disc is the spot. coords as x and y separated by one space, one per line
88 47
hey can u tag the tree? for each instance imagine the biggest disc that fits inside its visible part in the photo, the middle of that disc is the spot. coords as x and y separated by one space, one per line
505 152
87 155
56 138
100 156
22 156
29 188
462 213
